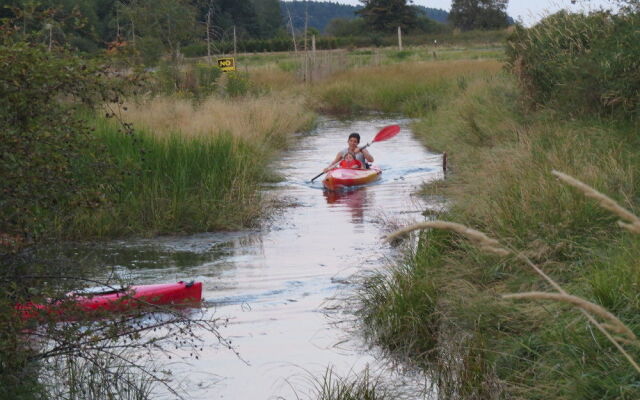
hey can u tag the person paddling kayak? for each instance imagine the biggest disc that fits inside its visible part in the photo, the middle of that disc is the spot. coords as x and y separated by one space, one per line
361 155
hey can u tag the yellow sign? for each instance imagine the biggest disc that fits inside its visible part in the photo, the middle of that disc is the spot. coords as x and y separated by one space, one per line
227 64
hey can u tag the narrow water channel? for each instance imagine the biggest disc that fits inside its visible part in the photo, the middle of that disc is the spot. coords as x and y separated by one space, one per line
281 288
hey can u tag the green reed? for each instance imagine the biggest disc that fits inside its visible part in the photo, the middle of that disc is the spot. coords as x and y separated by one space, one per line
353 387
475 344
412 88
176 184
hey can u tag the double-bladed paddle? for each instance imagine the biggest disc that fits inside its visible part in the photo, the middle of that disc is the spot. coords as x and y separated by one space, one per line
385 133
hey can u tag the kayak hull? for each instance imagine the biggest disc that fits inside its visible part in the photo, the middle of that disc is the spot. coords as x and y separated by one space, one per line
340 178
80 304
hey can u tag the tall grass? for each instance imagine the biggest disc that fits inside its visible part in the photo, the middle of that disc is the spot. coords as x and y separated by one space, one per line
176 185
581 63
353 387
414 89
479 345
249 118
188 167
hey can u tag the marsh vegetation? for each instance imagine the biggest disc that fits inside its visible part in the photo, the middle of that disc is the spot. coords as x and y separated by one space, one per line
184 148
445 307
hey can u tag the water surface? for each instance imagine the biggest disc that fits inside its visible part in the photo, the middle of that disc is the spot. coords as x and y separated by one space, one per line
283 288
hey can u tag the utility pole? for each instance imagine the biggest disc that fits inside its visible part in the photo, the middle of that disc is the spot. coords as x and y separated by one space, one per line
399 38
234 41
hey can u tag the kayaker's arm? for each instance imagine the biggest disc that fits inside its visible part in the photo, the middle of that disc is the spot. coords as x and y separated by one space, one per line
366 154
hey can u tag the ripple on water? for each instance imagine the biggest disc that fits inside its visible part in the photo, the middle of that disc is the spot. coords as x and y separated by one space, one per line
279 287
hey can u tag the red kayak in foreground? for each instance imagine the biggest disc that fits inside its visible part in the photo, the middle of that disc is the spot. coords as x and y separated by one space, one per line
339 178
114 299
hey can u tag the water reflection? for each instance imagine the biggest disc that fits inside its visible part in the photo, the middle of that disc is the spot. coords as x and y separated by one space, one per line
355 200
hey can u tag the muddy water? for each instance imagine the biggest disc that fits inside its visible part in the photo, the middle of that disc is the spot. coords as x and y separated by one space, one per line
283 288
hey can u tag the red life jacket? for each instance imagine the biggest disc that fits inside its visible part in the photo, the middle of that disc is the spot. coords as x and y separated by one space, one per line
350 164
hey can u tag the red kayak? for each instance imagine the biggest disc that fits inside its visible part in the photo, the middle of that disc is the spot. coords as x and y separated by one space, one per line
116 299
339 178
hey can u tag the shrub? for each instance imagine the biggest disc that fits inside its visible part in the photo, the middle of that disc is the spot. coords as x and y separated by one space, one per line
238 84
584 63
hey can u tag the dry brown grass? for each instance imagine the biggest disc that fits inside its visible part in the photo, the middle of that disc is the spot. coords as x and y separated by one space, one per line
272 77
396 74
248 118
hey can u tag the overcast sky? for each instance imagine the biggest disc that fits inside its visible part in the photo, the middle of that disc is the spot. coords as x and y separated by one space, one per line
528 11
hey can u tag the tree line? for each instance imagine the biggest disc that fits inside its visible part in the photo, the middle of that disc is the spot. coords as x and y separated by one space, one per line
157 27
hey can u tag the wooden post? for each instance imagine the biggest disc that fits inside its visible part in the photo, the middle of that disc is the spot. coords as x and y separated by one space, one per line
306 46
444 162
50 27
117 22
313 55
234 41
208 36
400 38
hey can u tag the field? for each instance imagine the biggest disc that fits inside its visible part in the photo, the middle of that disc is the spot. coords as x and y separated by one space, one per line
505 297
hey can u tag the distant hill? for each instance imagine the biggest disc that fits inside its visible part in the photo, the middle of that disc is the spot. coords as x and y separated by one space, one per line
320 13
435 14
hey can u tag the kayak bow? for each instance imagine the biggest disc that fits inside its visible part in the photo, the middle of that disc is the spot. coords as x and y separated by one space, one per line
339 178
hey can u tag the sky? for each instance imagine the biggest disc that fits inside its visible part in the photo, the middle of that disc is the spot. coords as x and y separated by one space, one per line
526 11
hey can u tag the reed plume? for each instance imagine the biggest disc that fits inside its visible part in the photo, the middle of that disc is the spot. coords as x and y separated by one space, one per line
633 222
614 324
478 238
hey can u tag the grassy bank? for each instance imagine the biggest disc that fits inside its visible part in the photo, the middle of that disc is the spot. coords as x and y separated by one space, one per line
188 167
442 307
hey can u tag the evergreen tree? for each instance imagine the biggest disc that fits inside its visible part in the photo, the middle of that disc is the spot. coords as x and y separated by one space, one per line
479 14
387 15
269 17
166 23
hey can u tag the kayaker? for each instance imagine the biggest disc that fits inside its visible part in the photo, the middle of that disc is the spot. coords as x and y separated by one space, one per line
361 155
350 161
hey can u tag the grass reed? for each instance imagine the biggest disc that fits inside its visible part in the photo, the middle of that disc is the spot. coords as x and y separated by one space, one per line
414 89
353 387
480 346
176 185
248 118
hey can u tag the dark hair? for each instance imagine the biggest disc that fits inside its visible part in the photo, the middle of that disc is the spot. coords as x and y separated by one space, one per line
355 135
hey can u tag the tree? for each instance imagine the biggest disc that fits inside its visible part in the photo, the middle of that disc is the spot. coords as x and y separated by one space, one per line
52 166
269 17
170 22
479 14
388 15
